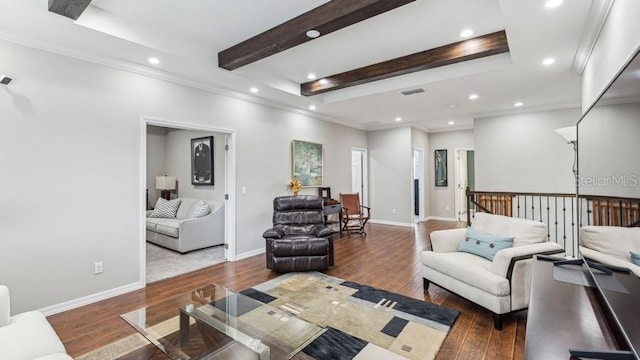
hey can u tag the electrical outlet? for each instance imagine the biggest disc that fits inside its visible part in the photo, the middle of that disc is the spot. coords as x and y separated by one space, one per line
447 208
97 267
393 211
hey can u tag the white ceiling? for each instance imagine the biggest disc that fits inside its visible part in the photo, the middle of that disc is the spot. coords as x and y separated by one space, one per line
187 35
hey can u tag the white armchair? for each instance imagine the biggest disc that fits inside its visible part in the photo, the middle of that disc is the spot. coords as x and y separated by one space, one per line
501 285
27 336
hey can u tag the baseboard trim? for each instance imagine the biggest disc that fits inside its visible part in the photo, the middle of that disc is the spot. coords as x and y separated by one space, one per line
441 218
392 223
249 254
86 300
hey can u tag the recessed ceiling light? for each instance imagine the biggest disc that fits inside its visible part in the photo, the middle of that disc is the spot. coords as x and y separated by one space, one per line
313 34
154 60
466 33
552 3
312 107
452 122
517 104
548 61
473 96
452 106
398 119
254 90
311 76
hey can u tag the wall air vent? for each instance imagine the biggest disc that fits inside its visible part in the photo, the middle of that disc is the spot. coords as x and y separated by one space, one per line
412 91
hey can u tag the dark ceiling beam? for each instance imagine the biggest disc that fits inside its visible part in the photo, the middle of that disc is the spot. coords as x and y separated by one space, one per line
69 8
481 46
327 18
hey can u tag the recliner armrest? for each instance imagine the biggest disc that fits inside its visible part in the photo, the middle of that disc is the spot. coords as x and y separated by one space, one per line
503 261
5 306
323 231
447 240
273 233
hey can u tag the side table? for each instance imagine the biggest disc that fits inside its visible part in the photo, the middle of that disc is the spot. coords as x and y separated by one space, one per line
333 207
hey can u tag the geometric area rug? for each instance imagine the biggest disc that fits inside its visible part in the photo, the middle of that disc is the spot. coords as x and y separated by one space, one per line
359 321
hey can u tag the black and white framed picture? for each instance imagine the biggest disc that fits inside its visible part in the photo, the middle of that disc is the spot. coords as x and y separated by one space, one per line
440 159
202 161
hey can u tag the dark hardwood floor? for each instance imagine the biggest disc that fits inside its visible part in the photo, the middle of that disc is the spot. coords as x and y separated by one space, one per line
387 258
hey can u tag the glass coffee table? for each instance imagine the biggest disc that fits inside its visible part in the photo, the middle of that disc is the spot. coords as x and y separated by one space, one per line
213 322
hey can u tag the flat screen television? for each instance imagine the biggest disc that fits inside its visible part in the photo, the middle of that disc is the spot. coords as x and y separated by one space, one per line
609 165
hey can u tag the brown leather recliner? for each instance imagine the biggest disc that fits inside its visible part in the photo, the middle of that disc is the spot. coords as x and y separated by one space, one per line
299 240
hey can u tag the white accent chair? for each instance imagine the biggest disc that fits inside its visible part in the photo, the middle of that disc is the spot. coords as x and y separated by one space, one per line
27 336
610 245
502 285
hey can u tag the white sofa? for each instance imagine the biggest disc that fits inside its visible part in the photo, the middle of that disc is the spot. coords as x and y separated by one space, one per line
502 285
610 245
184 232
27 336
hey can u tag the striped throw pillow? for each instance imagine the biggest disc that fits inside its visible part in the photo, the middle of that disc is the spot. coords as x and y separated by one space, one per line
200 209
166 208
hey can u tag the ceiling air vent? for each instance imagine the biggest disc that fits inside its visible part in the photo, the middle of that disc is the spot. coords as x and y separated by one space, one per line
412 91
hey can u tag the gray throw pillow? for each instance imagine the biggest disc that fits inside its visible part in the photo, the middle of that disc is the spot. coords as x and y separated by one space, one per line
200 209
166 208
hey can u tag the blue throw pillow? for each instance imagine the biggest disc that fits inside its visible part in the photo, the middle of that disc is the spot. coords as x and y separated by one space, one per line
483 244
635 258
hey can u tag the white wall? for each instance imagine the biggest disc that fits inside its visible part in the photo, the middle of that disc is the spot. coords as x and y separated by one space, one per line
522 153
443 199
179 164
156 159
616 44
71 174
390 172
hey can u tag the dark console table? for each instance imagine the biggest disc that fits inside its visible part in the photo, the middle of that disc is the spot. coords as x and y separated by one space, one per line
563 316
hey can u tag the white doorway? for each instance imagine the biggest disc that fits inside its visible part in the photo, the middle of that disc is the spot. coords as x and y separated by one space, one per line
229 184
360 174
418 185
465 177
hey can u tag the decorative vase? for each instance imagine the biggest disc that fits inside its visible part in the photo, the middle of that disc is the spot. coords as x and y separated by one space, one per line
295 193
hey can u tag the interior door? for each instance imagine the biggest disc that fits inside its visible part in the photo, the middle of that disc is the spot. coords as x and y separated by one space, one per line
359 174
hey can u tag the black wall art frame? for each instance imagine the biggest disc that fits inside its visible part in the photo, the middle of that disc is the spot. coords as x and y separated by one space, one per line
440 159
202 161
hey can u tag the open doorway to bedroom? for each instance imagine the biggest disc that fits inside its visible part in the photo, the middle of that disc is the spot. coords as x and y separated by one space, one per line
186 172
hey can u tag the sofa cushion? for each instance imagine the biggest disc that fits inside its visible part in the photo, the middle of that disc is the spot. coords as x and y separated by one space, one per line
29 336
484 244
468 268
198 210
166 208
611 240
524 231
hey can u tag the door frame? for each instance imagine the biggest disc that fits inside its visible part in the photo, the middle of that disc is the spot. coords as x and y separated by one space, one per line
230 184
456 153
365 173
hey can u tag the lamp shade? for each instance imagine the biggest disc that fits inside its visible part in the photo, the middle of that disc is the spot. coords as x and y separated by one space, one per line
569 133
165 182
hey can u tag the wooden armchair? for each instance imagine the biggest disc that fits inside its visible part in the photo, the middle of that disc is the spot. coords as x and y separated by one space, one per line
354 215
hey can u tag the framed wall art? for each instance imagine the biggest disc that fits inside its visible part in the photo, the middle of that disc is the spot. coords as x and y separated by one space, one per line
307 163
202 161
440 159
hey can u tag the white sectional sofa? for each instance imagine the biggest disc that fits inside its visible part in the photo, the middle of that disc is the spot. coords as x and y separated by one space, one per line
27 336
184 232
611 245
501 285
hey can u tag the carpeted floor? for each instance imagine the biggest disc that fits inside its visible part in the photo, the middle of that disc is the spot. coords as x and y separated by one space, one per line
357 321
164 263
